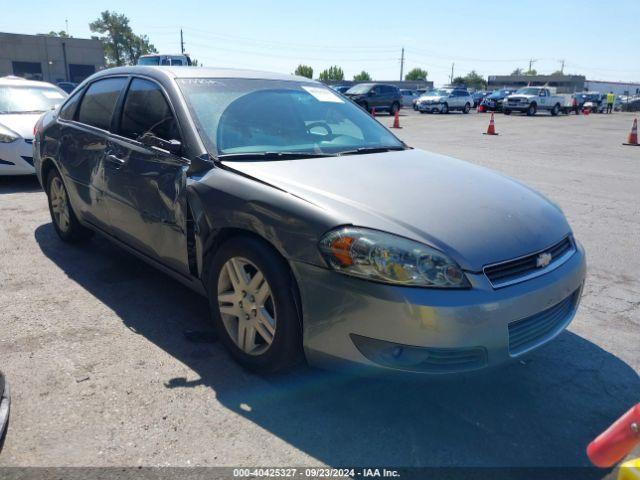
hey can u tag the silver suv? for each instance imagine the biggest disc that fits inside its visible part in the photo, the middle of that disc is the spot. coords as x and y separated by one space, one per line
444 100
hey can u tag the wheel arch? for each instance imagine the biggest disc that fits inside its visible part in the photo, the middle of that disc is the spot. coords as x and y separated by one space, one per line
215 239
47 164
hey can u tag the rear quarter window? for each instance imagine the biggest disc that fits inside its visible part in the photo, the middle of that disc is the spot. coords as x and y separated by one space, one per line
68 110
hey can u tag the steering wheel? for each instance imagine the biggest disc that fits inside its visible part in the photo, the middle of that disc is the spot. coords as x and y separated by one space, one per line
324 125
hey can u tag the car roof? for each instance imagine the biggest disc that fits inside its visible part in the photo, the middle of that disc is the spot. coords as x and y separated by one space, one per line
21 82
166 71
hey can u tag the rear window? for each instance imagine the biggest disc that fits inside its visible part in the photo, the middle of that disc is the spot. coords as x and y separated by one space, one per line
99 102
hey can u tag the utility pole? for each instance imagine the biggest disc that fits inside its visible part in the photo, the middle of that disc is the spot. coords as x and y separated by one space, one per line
181 42
562 67
531 62
451 78
401 63
66 26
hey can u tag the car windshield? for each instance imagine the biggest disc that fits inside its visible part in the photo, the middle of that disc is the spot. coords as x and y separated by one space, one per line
19 99
437 93
500 93
360 89
254 116
528 91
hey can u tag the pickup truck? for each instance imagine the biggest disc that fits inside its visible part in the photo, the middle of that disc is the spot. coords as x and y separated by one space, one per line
532 99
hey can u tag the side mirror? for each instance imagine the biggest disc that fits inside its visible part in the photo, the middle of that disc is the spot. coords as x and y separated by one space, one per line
371 93
174 147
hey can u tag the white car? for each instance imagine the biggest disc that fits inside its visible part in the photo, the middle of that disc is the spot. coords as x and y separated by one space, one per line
21 104
445 100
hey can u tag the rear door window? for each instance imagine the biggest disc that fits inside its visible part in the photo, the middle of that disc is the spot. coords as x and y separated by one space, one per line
99 102
146 111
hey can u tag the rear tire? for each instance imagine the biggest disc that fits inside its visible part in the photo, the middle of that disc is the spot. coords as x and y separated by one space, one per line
555 110
445 108
63 218
395 107
261 331
507 111
466 108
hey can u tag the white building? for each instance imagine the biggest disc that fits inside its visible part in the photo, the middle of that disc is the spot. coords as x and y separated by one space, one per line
619 88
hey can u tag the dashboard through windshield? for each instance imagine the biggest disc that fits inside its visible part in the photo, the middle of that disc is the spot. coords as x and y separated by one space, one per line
240 117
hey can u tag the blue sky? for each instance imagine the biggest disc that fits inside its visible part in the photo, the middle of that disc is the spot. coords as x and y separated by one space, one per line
596 38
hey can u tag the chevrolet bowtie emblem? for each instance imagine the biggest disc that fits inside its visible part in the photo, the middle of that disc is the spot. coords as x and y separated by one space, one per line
543 260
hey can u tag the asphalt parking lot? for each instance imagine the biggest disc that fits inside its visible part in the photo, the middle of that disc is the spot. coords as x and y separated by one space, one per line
112 363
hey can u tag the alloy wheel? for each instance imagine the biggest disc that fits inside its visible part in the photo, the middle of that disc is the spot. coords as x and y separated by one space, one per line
59 205
247 307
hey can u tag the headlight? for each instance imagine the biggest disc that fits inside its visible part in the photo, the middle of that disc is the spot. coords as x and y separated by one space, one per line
7 136
386 258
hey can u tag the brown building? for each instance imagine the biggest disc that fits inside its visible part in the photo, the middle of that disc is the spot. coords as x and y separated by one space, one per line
48 58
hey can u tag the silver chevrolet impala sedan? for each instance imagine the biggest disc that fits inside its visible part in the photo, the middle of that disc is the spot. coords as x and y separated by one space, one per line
313 231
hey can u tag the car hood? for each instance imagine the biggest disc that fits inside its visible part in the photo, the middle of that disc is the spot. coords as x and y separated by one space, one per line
433 97
20 123
473 214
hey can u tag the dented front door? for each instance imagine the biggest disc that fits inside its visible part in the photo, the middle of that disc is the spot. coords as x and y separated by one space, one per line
146 199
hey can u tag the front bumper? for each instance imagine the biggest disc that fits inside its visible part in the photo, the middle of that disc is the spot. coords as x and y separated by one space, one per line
16 158
430 107
353 322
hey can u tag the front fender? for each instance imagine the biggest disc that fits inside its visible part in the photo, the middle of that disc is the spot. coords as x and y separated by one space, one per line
224 200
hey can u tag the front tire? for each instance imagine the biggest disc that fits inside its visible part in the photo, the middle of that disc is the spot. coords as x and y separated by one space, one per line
507 111
531 111
555 110
63 218
466 108
445 108
251 296
395 108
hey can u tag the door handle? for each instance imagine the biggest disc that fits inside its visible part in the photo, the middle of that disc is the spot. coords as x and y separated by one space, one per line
115 159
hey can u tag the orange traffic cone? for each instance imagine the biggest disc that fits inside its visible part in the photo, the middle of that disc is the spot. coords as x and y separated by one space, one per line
373 112
492 127
396 120
633 136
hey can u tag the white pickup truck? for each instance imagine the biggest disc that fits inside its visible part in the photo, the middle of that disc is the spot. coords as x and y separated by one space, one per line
530 100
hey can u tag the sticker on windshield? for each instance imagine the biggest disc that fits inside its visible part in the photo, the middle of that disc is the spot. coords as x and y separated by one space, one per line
52 94
323 94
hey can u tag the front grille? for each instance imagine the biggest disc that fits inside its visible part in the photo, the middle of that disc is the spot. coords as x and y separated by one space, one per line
531 331
529 266
29 160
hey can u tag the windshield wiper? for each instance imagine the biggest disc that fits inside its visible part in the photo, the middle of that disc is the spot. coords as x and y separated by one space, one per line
272 155
363 150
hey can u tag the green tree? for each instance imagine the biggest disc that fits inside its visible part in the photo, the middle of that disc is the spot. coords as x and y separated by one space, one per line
61 34
459 81
121 45
517 71
304 71
416 74
334 73
532 71
362 77
473 80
